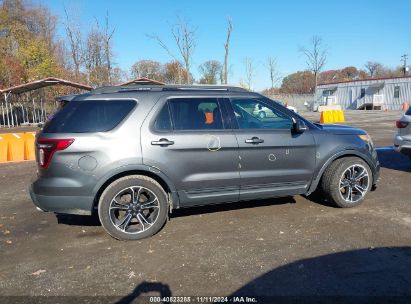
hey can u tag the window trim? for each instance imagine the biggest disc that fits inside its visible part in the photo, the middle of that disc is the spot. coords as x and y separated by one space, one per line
262 100
168 100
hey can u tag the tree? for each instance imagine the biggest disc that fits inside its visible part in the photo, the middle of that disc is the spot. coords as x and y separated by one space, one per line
298 83
147 68
316 57
249 71
210 72
274 74
226 48
107 43
373 67
174 73
75 40
185 38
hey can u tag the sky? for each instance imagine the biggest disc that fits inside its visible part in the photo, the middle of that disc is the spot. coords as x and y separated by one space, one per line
353 32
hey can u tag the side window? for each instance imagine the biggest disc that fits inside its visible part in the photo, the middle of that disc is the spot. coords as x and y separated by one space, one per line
163 121
195 113
255 114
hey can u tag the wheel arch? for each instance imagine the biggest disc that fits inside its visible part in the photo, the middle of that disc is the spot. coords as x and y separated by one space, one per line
154 173
346 153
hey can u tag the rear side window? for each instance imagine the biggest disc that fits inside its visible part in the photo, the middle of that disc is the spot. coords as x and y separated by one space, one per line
195 113
89 116
408 111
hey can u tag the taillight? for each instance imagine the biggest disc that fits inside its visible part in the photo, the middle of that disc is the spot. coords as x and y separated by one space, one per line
401 124
47 147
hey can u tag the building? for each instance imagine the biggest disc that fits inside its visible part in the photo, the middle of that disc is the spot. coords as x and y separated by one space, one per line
373 93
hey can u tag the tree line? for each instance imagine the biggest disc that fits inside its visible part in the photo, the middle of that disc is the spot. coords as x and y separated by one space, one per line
30 49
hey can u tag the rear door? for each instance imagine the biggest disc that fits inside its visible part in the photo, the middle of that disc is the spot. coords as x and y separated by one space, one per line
274 161
186 139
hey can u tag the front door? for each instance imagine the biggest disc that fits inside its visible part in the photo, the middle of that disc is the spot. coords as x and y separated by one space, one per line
274 161
185 138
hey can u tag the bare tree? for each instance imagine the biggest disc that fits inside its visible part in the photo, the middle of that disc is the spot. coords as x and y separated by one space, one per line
147 68
226 47
249 71
210 71
373 67
185 38
108 35
272 68
316 57
75 42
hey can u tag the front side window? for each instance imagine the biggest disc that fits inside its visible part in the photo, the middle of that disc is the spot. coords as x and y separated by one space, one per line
255 114
396 92
195 113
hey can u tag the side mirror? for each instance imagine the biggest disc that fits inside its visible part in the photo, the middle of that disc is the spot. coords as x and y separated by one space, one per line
299 126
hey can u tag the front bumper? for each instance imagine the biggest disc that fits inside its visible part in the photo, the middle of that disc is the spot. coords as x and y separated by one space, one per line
402 145
82 205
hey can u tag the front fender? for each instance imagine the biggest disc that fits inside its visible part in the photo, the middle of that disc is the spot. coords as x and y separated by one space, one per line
348 152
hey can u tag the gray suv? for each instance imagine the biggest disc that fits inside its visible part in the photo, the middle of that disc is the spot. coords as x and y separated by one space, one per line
135 153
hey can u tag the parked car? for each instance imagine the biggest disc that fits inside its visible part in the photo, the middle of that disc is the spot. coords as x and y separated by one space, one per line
135 153
264 112
402 140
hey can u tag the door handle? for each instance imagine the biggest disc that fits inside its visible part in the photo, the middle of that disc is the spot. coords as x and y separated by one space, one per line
162 142
254 140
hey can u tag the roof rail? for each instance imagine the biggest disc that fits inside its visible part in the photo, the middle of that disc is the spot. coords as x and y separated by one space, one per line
133 88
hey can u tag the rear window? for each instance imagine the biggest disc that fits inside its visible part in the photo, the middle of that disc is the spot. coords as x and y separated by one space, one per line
408 111
89 116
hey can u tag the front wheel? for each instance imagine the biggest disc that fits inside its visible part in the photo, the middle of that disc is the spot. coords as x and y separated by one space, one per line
347 181
133 207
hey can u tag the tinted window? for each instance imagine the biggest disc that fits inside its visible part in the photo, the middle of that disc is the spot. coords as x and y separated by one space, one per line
195 113
163 122
408 111
89 116
255 114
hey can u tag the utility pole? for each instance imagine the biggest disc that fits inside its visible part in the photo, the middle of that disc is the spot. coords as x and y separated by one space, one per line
404 59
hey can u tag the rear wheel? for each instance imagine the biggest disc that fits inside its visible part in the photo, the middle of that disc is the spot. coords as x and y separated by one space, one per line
347 181
133 207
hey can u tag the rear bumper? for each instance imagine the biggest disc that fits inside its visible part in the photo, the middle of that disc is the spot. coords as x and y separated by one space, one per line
63 204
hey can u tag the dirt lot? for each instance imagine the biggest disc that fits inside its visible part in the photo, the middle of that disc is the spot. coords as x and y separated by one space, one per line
287 246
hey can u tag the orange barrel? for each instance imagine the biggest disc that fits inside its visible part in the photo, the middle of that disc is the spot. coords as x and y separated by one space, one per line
3 149
29 152
15 147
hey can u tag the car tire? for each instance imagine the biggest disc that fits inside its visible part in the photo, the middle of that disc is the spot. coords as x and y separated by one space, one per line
347 181
133 207
262 115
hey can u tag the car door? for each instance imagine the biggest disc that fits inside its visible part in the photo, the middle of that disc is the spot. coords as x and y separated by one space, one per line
274 160
185 138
